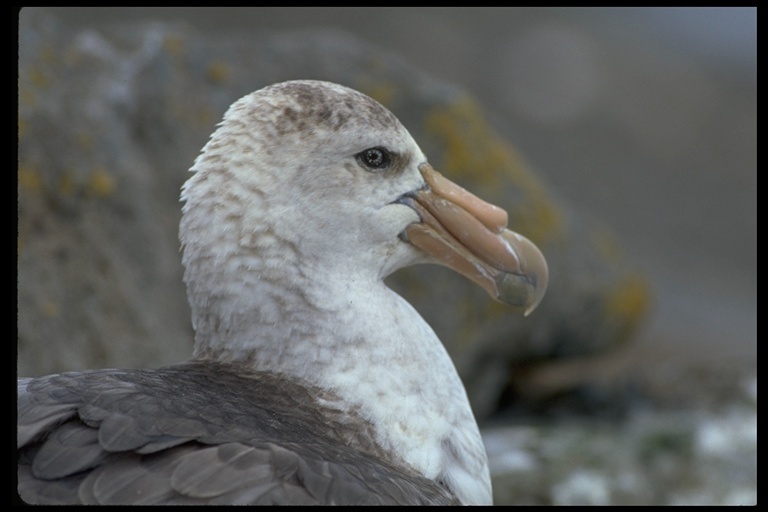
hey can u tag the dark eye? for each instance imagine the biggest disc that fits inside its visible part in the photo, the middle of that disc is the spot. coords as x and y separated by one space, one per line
375 158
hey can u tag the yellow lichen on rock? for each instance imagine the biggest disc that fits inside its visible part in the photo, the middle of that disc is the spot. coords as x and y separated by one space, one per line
382 92
218 72
66 184
29 178
173 44
629 302
100 183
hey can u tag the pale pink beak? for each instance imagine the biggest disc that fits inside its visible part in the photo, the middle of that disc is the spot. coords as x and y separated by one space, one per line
468 235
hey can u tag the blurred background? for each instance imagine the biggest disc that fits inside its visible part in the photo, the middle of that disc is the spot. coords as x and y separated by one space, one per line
643 120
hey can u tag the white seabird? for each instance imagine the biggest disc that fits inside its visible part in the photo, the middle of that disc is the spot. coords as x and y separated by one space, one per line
311 381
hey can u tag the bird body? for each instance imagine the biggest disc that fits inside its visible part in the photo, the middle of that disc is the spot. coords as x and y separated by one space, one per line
311 381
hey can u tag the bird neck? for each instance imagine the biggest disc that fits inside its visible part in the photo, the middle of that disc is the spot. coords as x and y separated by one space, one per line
354 336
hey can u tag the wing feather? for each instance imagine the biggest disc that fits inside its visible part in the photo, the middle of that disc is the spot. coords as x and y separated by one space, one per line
200 433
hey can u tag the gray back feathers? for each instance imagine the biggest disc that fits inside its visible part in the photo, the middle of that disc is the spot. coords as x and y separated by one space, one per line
200 433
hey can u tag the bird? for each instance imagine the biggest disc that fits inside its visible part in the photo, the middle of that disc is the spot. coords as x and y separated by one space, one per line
310 381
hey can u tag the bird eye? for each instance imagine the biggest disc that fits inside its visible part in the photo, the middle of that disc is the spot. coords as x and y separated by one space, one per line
375 158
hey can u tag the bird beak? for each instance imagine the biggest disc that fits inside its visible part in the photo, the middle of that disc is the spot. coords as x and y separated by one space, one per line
468 235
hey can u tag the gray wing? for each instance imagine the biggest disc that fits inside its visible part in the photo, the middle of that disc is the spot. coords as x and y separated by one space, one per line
197 433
